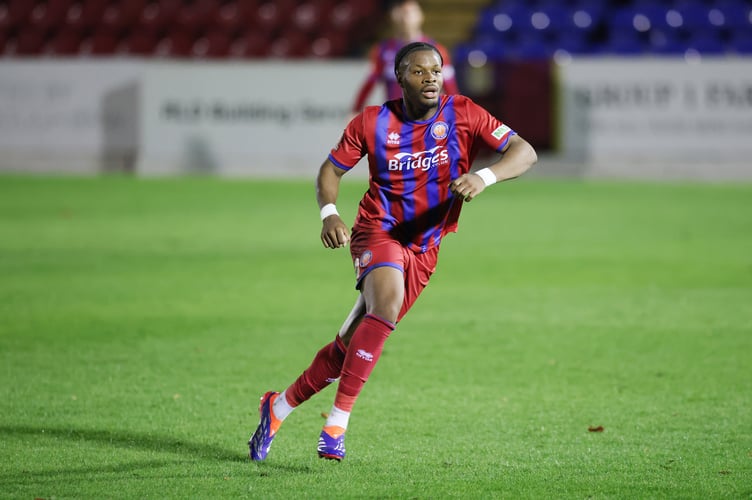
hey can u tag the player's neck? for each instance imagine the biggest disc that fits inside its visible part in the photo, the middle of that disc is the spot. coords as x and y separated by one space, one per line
417 113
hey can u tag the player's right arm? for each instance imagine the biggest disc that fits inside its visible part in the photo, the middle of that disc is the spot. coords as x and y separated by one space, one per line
334 232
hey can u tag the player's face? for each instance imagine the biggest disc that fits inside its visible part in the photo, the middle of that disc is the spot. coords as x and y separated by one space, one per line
407 18
421 82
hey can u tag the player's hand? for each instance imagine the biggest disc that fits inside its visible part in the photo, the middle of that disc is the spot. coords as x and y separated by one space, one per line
334 233
467 186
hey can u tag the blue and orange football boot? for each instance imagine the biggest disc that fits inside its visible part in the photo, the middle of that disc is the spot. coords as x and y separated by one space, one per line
261 440
332 443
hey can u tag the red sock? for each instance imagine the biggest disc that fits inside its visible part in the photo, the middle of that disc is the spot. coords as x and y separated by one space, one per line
362 354
324 370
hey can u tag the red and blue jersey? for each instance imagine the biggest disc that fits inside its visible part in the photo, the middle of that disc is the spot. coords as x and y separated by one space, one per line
411 164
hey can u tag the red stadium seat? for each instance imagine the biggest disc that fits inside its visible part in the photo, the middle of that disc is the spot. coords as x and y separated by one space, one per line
329 45
290 44
140 43
49 15
195 17
15 13
251 44
230 18
131 10
66 42
121 15
310 15
101 43
212 45
158 15
273 16
85 15
343 16
29 42
176 44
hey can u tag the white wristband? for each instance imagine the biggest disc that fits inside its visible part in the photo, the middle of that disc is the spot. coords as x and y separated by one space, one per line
328 209
487 175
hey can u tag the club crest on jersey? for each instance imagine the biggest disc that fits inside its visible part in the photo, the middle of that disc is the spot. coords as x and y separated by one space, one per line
393 138
365 258
500 132
439 130
421 160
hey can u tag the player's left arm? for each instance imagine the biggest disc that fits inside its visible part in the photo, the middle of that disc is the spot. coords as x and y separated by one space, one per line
517 157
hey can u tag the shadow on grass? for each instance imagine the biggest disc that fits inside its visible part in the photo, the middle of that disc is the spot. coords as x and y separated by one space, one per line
132 441
91 473
128 440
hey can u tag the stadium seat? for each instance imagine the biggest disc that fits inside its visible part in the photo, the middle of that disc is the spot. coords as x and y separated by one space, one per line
212 45
310 15
741 42
140 42
327 45
707 43
48 15
28 42
15 13
289 44
344 16
122 15
624 43
269 18
666 42
250 44
234 17
573 42
101 43
65 42
176 44
194 18
505 22
531 48
158 15
737 15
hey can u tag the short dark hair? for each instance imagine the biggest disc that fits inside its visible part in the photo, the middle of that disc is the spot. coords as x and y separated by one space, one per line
412 47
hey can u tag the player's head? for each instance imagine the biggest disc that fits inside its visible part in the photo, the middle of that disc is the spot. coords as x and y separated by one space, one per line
407 18
401 60
418 69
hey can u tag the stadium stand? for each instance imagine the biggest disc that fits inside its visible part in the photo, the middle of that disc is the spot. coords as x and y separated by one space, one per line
497 30
187 28
541 29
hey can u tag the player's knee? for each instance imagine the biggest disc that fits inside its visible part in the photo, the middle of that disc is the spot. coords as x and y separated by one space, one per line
386 313
384 292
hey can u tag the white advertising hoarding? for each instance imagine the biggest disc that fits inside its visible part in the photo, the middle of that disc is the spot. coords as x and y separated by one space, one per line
644 111
271 119
66 116
163 117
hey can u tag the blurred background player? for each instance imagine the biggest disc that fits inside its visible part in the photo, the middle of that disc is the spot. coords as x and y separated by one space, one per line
407 26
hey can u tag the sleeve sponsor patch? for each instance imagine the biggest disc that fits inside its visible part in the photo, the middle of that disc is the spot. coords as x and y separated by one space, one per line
501 131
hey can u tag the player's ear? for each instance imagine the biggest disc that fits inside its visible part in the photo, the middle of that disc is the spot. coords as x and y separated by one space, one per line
399 78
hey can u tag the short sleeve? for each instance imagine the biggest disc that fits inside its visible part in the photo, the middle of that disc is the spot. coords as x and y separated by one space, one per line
351 146
488 128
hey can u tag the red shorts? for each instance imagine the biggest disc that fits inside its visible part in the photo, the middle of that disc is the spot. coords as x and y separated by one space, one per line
375 249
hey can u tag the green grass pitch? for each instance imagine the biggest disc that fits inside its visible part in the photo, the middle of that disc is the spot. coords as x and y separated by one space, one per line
141 320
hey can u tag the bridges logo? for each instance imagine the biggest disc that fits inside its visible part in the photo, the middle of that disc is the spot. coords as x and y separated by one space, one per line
422 160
